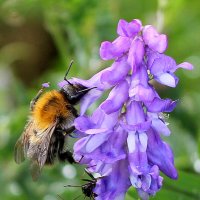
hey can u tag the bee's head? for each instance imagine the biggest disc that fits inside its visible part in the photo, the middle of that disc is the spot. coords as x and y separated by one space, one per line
74 92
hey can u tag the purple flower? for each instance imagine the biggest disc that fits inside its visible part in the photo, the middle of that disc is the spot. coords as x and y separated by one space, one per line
162 67
121 139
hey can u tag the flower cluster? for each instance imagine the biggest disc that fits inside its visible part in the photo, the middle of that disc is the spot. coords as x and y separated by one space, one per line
121 140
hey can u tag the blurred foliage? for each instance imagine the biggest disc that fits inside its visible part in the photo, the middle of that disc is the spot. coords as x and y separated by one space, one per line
37 41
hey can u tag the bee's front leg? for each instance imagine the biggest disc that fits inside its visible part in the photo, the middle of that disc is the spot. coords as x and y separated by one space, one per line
67 131
67 155
35 99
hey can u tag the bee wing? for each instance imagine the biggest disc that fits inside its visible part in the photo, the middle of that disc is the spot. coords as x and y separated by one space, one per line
38 150
22 144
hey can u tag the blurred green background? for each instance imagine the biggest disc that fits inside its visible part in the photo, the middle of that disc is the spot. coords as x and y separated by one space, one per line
37 41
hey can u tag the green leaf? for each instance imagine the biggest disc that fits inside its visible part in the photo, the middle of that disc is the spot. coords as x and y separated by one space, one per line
187 183
132 194
166 194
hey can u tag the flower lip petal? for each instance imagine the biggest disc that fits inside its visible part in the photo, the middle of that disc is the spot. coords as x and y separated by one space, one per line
129 29
155 41
115 49
185 65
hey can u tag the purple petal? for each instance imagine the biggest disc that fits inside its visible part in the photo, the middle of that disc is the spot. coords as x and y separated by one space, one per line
95 81
95 141
162 157
61 84
135 113
117 72
146 182
144 195
155 41
83 123
168 79
45 85
111 150
144 126
88 144
158 125
154 171
103 120
160 105
140 77
79 146
185 65
141 93
115 49
136 53
88 99
116 98
130 29
160 63
101 167
137 144
96 131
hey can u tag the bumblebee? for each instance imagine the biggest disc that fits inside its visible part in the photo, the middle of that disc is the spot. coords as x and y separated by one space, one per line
51 119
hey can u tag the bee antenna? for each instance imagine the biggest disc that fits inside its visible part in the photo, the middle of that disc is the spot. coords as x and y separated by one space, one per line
65 77
72 185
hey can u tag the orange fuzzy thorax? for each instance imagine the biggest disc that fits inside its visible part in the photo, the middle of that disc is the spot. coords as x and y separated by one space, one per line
48 108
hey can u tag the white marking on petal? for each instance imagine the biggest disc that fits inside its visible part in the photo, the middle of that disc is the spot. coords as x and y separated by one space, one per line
166 79
143 141
131 141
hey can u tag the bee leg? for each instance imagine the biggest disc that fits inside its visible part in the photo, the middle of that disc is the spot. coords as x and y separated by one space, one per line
70 130
89 174
67 155
35 99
